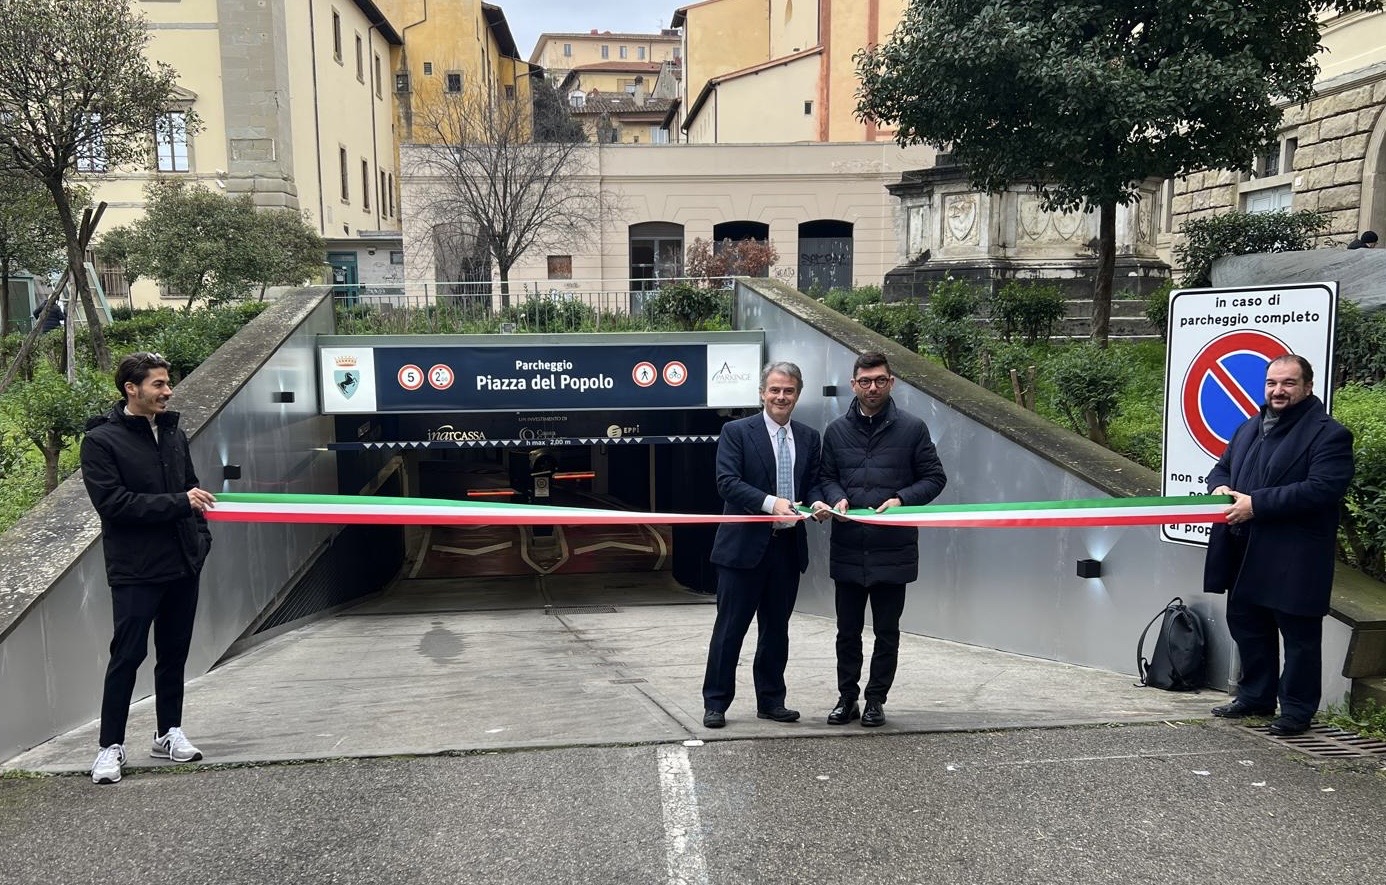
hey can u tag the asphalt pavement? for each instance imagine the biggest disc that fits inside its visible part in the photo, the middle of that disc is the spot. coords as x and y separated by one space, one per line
431 736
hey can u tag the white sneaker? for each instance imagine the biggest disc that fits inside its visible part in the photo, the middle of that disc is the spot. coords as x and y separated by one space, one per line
106 768
176 746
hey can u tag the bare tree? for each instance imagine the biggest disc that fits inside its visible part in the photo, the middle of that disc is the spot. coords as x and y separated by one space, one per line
488 188
77 95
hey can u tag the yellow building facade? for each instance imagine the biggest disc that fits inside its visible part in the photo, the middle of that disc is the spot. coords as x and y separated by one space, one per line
777 70
559 53
295 109
453 48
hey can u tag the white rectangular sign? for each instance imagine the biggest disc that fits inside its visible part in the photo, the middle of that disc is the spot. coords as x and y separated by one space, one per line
1220 342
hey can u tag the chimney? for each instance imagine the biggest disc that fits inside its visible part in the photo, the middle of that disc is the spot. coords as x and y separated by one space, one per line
594 32
641 93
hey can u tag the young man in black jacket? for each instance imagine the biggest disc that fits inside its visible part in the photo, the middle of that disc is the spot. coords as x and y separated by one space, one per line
139 474
875 456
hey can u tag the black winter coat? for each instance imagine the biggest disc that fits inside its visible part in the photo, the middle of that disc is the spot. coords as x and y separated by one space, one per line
868 460
1284 557
150 532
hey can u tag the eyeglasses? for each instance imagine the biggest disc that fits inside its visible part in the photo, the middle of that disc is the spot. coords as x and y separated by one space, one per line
873 382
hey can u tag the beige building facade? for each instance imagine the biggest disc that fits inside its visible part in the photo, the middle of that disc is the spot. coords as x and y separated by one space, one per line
824 207
1330 155
777 70
559 53
295 111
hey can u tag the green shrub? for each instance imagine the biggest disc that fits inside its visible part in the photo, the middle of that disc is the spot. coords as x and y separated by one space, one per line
685 305
950 330
901 322
1157 308
848 301
1030 309
1363 411
1204 240
1359 344
1088 386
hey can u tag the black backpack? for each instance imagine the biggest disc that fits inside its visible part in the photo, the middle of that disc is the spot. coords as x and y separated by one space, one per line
1177 661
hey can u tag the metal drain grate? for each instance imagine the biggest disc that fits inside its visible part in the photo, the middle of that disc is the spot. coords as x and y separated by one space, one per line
581 610
1327 742
635 681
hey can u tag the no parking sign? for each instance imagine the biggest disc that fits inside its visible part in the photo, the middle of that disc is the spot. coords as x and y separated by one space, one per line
1220 343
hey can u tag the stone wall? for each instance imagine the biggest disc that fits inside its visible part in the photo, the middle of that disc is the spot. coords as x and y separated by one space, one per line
1336 155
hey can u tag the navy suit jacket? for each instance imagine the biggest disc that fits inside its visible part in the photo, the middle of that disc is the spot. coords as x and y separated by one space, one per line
746 474
1286 562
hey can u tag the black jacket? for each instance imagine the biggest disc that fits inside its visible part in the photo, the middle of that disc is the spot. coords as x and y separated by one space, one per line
1283 558
150 532
867 460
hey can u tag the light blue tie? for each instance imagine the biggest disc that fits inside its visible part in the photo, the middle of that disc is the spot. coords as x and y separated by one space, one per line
784 470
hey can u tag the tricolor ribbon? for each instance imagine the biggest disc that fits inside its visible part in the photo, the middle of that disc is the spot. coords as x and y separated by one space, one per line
341 509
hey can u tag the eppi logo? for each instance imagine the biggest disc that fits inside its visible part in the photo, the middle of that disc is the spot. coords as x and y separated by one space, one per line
728 375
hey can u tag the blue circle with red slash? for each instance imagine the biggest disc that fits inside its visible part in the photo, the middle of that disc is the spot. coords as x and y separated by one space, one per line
1225 385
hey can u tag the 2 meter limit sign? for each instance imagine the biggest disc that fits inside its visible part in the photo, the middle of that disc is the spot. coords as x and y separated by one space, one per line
1220 343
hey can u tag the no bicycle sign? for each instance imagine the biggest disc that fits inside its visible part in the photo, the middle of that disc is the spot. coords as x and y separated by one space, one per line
1220 343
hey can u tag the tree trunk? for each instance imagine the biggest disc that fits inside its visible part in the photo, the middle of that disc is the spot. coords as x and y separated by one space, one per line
1106 268
21 359
5 319
505 285
76 252
1097 428
50 461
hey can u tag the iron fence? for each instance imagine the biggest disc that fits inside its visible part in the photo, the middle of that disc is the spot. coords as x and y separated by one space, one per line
527 306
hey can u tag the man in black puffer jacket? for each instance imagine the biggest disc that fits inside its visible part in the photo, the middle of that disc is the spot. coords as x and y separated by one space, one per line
139 474
875 456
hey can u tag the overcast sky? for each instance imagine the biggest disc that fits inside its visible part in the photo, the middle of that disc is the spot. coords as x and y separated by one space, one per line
530 18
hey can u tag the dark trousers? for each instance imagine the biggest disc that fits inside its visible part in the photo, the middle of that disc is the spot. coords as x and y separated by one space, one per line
887 603
170 608
767 593
1257 630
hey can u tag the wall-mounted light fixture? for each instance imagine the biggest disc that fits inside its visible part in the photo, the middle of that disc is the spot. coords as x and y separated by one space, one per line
231 471
282 396
1089 568
830 390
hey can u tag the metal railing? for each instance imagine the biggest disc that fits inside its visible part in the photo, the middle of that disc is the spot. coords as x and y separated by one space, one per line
529 306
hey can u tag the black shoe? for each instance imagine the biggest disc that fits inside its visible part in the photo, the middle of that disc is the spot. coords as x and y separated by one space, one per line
714 719
873 715
844 712
1284 726
779 714
1238 710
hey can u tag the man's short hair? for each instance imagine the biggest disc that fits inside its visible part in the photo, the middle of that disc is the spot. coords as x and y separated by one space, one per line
1368 237
1306 371
870 360
136 367
784 368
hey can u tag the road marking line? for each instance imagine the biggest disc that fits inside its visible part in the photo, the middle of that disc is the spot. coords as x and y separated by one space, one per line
683 829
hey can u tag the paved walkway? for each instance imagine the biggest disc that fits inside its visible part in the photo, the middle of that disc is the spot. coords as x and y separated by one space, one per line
513 743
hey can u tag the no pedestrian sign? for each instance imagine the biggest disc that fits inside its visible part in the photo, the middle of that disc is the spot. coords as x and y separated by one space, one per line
1220 344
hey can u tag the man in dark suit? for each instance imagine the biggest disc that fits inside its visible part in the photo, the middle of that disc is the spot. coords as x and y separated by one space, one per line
1287 470
764 464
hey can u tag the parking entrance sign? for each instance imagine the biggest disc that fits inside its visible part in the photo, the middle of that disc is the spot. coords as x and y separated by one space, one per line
1220 342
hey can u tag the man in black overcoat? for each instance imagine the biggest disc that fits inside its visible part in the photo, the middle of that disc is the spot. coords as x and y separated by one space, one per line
1287 469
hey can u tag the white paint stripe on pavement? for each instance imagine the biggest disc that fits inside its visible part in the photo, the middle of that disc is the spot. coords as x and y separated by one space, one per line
683 830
